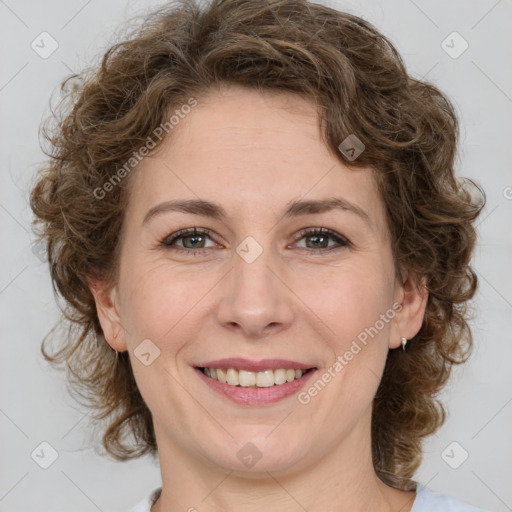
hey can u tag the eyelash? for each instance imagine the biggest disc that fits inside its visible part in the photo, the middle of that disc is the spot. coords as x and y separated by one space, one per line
168 241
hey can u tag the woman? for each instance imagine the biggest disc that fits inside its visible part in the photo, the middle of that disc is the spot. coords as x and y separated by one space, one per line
251 211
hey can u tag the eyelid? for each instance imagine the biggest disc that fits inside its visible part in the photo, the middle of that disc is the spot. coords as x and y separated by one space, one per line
169 239
324 231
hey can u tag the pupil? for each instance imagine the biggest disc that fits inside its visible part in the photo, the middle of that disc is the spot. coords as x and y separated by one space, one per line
317 237
192 237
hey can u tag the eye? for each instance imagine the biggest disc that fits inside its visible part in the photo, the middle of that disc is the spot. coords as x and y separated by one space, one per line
192 240
319 240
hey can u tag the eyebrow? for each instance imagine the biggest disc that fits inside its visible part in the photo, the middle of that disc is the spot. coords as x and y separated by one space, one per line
293 209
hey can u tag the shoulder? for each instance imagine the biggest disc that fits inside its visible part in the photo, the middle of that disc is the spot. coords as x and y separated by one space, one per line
427 500
145 504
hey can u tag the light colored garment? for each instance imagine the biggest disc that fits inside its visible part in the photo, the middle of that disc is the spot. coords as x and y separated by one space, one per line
426 501
429 501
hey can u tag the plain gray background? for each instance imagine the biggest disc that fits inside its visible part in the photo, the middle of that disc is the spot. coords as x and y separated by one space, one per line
34 404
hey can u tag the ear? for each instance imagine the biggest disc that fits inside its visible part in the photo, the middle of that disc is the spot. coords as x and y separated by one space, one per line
107 307
412 294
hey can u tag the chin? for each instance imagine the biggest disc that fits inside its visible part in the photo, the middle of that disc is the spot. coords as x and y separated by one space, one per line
256 456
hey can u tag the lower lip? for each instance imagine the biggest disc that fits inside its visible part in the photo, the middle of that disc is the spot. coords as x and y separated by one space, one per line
254 395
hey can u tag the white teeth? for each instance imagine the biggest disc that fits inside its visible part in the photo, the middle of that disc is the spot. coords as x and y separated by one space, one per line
280 376
265 379
244 378
221 375
232 377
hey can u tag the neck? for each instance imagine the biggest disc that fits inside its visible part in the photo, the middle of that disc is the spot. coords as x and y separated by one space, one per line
341 480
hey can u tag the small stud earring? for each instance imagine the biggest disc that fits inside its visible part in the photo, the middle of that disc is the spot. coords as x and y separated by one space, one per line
404 342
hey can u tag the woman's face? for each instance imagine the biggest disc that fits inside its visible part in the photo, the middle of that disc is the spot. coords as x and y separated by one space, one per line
257 289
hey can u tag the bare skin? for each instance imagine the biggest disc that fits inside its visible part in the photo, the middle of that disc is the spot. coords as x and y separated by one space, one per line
253 154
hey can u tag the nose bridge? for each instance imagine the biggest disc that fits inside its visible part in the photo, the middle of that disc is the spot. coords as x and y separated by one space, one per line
255 297
252 273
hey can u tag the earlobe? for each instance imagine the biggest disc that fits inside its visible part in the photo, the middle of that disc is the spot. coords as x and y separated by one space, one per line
413 297
105 297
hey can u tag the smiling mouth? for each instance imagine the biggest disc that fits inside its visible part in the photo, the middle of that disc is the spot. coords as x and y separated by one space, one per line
248 379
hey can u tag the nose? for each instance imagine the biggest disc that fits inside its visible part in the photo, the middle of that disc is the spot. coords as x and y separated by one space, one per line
256 300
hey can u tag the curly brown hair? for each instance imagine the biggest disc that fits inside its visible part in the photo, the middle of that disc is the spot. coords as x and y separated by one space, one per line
360 85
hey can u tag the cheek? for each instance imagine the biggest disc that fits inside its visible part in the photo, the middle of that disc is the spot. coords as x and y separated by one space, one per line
161 298
154 299
351 301
358 312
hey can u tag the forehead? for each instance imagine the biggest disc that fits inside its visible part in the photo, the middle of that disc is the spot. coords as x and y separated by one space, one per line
253 153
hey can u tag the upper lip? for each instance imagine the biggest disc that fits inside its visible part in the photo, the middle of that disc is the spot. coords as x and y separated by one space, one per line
240 363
